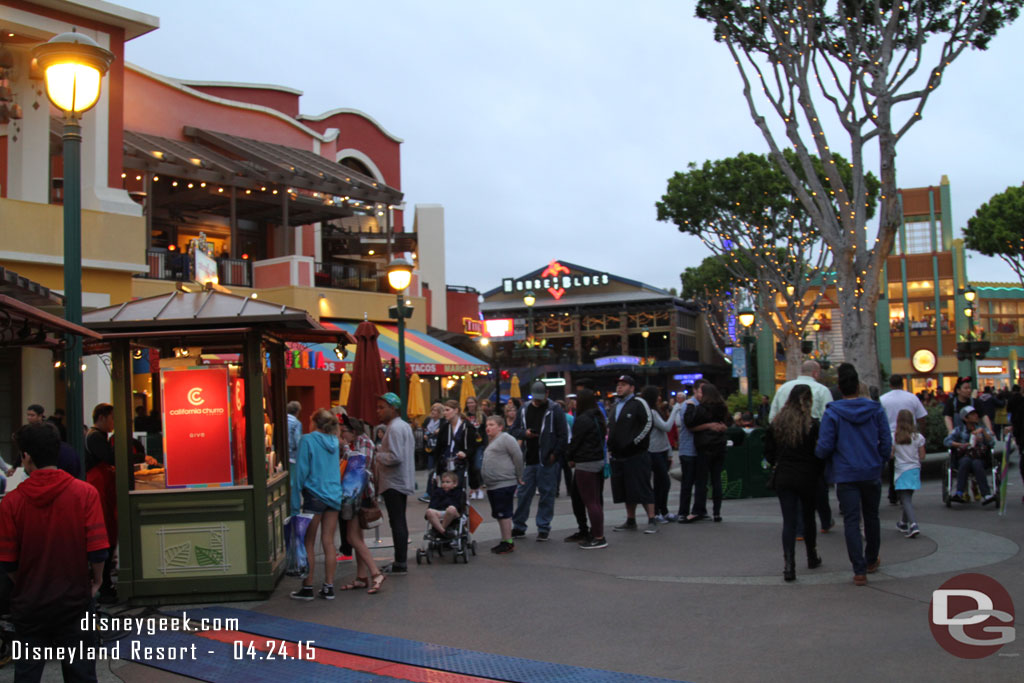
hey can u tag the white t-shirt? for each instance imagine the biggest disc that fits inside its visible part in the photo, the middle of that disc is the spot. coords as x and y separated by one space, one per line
896 400
907 455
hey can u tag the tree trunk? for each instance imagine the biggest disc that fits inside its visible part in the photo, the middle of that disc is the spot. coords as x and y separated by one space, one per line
794 356
859 346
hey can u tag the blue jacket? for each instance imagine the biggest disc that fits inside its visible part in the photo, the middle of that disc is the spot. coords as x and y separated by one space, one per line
855 439
317 468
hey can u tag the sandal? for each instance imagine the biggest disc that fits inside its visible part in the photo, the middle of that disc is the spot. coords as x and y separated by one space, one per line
358 582
377 580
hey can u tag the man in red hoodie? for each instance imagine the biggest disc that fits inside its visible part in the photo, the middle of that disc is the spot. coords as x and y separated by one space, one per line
53 543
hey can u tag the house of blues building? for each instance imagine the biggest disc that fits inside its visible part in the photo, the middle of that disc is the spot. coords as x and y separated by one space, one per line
588 323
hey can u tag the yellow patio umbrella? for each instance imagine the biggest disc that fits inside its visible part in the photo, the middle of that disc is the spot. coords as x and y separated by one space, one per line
346 386
466 390
513 388
415 406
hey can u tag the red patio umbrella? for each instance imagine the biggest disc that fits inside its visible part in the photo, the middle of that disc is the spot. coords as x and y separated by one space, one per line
367 375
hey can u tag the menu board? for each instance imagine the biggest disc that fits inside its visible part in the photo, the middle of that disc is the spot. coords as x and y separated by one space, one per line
197 427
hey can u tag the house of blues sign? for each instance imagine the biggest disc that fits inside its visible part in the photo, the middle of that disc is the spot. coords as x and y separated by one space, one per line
557 279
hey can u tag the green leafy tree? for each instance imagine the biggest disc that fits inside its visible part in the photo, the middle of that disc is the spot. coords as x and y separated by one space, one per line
997 229
745 211
852 73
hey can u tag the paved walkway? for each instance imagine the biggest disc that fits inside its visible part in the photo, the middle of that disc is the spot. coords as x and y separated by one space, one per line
702 602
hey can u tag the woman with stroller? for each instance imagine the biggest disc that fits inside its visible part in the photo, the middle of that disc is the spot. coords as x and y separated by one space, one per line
457 441
789 447
316 475
357 451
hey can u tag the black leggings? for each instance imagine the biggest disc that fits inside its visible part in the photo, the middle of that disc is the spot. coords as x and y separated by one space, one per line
790 500
395 503
662 483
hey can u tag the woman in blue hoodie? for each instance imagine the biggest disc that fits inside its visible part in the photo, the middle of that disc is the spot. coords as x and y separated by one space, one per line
316 476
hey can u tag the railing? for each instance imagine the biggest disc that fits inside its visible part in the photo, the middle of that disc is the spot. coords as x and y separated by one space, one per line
175 266
342 276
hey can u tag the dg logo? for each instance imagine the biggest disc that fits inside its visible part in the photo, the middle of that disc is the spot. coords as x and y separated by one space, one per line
972 616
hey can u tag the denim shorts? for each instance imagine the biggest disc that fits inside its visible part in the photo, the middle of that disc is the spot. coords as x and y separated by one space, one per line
315 504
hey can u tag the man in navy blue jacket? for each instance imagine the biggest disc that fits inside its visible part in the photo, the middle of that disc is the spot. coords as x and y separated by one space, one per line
855 441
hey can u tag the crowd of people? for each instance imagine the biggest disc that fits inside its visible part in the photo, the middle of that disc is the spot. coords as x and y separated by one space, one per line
812 439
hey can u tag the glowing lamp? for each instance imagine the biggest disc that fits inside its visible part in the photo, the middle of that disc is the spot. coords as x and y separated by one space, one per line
746 317
529 298
73 66
399 274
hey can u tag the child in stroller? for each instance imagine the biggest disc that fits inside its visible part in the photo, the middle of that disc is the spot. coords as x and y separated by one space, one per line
448 520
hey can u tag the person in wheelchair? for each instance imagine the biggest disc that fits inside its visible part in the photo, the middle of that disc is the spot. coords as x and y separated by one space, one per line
970 447
447 503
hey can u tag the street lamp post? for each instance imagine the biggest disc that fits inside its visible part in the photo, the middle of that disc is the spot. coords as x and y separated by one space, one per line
73 66
399 277
746 319
529 299
973 349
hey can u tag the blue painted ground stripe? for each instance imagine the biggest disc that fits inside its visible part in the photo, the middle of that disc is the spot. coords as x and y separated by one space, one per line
415 653
222 666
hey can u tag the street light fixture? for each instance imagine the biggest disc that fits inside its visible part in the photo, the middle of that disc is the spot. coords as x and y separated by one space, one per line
73 66
399 277
645 332
746 319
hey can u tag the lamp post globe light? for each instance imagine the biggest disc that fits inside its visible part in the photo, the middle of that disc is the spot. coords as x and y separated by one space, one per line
645 332
399 277
746 319
73 66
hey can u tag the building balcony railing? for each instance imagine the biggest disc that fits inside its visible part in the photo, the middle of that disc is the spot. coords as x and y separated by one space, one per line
344 276
175 266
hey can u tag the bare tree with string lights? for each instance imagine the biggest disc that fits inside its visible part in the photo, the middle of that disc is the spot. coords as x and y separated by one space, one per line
852 73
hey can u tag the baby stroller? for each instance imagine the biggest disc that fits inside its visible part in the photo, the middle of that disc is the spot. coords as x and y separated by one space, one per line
457 538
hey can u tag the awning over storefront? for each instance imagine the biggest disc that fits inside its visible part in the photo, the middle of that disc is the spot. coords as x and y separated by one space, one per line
423 354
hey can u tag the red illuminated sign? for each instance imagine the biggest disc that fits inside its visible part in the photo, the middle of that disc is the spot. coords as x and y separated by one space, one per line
197 427
499 327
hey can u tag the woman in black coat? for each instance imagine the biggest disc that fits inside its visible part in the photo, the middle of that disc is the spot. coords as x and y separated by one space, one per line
789 447
586 457
707 421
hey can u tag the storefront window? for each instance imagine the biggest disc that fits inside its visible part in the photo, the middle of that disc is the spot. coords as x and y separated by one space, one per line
895 291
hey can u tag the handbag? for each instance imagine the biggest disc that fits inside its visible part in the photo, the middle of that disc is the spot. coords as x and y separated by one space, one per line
369 513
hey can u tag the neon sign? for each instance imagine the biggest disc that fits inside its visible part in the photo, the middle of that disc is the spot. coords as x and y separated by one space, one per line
556 279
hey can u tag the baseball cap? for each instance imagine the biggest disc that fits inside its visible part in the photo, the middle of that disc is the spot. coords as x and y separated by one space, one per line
965 411
539 389
391 398
628 379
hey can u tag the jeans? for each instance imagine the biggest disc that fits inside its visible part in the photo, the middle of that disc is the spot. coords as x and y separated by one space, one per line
964 467
688 469
716 463
395 503
543 479
856 497
69 634
662 483
793 501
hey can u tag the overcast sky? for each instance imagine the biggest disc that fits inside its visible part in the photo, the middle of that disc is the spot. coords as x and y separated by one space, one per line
548 128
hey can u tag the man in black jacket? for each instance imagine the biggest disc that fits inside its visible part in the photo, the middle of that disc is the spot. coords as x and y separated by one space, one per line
629 433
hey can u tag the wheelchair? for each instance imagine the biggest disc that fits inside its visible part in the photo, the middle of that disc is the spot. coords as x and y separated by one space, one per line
949 477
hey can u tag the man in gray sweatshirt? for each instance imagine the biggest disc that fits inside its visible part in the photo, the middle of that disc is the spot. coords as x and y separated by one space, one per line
396 470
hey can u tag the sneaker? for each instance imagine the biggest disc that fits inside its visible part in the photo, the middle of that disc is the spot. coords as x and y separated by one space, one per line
957 497
913 531
903 526
652 527
343 558
542 536
991 498
577 537
660 519
628 525
671 517
424 498
304 593
326 592
594 544
518 533
396 569
503 548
